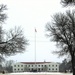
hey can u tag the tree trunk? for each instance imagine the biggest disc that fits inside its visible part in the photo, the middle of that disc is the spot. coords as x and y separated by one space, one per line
73 69
73 64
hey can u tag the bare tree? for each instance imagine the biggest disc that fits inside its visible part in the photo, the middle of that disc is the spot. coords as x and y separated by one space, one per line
68 2
3 16
26 69
8 66
62 31
11 42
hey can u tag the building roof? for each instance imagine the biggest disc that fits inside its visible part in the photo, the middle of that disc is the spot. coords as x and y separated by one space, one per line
34 62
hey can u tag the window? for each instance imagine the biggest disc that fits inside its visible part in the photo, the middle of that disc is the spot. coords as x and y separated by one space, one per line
35 65
39 69
56 65
39 65
14 69
49 65
25 65
18 69
29 65
49 68
21 69
32 65
42 65
42 69
56 68
45 65
18 65
21 65
52 65
52 68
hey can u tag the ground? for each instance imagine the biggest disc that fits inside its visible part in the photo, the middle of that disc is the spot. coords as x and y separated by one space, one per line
37 73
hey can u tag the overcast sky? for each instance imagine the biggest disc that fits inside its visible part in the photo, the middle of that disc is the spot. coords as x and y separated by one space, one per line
31 14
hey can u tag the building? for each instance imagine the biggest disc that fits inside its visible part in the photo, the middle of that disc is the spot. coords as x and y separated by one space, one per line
36 66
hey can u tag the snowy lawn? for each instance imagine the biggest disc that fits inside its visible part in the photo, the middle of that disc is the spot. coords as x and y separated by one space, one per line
37 73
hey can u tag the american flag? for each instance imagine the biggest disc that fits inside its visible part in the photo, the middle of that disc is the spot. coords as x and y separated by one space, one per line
35 30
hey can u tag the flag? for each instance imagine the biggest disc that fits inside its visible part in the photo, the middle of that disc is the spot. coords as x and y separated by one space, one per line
35 30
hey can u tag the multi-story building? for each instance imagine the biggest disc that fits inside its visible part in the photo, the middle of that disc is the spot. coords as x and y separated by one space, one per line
36 66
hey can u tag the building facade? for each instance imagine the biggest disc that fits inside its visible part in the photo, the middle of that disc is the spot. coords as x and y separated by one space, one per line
35 66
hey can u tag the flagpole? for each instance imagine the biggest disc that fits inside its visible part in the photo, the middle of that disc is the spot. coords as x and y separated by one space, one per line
35 48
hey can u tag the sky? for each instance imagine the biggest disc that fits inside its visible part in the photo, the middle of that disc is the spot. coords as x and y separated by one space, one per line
31 14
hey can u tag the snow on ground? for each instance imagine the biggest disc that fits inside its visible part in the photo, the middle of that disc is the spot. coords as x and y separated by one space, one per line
40 73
